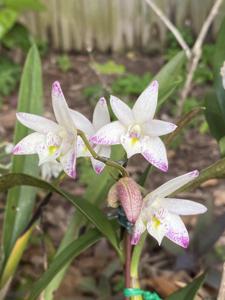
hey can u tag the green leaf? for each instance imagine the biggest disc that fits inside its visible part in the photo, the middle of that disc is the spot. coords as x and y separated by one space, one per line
169 77
215 102
17 37
9 75
23 5
96 196
90 211
20 200
66 255
15 257
8 18
189 291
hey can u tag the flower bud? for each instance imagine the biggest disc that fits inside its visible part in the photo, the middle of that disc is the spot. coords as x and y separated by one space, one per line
112 198
130 198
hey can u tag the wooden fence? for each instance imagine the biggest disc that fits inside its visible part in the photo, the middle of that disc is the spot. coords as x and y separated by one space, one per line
115 25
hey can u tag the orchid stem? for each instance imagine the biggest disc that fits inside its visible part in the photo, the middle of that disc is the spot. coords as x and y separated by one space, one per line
105 160
135 261
128 249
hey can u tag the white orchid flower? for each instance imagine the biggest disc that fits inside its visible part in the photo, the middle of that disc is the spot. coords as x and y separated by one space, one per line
51 141
50 170
222 72
160 215
136 129
101 117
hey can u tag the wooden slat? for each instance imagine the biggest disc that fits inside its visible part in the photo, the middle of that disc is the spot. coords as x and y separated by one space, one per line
115 25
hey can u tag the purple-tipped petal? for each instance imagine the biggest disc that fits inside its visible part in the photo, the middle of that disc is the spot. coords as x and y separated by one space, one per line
154 151
145 106
61 109
101 115
158 127
174 184
29 144
109 134
177 231
68 162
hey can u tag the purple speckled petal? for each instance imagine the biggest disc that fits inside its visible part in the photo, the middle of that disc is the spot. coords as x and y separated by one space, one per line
68 162
109 134
154 151
28 145
139 228
177 231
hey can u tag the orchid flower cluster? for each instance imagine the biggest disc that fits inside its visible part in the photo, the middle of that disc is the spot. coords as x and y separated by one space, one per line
60 143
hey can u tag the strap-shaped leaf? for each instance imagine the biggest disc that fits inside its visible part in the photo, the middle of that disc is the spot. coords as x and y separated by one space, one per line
17 215
96 196
90 211
169 77
66 255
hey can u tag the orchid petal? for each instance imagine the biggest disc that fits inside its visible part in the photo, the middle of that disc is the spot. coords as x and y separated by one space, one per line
37 123
158 127
177 231
101 115
131 145
45 154
122 111
53 139
82 123
145 106
82 150
109 134
28 145
139 228
103 151
157 231
154 151
68 162
174 184
183 207
60 107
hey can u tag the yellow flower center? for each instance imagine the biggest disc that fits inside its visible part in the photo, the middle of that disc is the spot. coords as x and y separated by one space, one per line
52 149
155 222
135 133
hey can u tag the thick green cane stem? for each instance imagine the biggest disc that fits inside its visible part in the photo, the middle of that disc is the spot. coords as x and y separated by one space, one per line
105 160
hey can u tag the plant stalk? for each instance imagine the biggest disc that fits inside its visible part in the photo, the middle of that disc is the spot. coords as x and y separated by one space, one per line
128 249
107 161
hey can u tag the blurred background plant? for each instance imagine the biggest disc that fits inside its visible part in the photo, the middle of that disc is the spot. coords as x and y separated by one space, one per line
15 41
